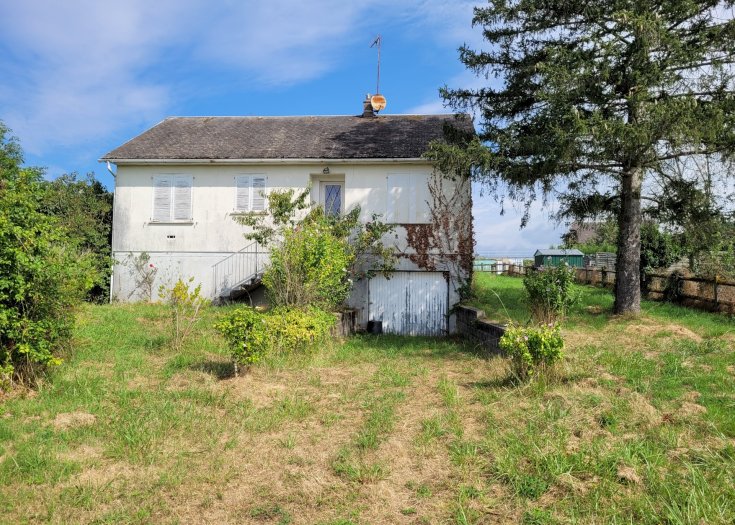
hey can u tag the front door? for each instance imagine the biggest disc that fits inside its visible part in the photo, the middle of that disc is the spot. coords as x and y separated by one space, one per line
332 197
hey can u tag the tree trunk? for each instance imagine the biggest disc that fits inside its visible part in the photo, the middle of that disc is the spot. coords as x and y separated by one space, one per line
628 267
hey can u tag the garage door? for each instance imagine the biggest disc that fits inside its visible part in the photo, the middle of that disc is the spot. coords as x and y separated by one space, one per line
409 303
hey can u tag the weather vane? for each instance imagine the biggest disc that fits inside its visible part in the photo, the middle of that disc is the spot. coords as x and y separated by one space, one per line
378 101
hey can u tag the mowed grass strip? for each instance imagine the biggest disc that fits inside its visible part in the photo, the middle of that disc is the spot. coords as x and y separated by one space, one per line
356 461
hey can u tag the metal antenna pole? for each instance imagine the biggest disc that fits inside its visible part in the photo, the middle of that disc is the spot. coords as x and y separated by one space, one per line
378 40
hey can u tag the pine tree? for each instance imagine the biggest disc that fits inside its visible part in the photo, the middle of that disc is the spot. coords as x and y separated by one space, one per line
592 96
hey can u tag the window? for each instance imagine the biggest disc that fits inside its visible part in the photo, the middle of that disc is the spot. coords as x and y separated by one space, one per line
250 193
408 198
172 198
332 194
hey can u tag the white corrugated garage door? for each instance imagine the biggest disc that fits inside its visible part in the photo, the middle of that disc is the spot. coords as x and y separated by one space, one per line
409 303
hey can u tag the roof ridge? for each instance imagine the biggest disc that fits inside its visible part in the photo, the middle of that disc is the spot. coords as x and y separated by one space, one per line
316 116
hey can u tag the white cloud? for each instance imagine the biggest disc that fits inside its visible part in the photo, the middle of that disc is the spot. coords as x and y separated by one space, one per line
279 41
435 105
447 22
502 234
83 69
79 72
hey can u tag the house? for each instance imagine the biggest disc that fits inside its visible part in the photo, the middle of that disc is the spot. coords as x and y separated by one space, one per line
581 232
179 184
573 258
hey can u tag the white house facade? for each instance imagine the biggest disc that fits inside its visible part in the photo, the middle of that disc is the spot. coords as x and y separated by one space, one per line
179 185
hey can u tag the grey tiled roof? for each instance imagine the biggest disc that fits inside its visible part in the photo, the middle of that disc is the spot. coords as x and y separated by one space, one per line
573 251
339 137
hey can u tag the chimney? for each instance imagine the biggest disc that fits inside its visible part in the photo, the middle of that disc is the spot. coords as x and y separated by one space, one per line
367 107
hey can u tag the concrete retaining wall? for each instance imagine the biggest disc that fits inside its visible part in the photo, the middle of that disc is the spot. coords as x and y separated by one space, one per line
345 325
472 324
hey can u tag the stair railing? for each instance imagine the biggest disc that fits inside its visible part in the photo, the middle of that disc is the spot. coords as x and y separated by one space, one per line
239 268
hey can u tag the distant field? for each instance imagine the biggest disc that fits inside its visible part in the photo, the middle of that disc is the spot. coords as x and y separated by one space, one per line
638 428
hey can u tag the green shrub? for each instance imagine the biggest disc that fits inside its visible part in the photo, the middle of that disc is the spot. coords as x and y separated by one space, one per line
42 274
659 249
550 292
252 335
309 267
532 349
316 257
185 305
83 207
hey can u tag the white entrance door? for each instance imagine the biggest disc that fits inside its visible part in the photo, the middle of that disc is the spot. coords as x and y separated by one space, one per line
410 303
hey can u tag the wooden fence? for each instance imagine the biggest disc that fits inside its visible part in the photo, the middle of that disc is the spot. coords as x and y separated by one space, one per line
494 267
706 294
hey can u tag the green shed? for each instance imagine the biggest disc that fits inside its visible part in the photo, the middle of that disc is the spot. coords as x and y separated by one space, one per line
573 258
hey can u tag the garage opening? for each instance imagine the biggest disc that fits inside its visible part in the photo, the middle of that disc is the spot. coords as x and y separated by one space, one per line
410 303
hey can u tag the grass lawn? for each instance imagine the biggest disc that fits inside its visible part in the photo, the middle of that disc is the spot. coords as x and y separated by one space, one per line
638 428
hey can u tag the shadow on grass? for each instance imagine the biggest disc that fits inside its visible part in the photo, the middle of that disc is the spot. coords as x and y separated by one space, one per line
509 381
512 381
387 345
218 369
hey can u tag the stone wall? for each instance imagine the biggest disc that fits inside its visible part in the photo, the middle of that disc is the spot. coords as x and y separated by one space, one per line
473 325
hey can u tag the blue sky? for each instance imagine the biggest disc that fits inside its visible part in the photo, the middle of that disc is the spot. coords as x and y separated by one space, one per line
78 78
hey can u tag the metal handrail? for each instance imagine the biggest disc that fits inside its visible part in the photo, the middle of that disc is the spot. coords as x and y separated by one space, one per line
238 268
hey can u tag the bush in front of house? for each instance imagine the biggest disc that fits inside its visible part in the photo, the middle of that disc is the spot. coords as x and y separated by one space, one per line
252 334
316 257
185 303
550 292
309 266
532 349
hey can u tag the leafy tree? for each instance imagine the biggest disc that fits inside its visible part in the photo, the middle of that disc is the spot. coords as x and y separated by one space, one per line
308 266
659 249
696 200
315 257
42 275
597 96
84 208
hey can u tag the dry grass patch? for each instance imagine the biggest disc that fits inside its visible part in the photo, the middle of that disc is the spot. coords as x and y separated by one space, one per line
69 420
